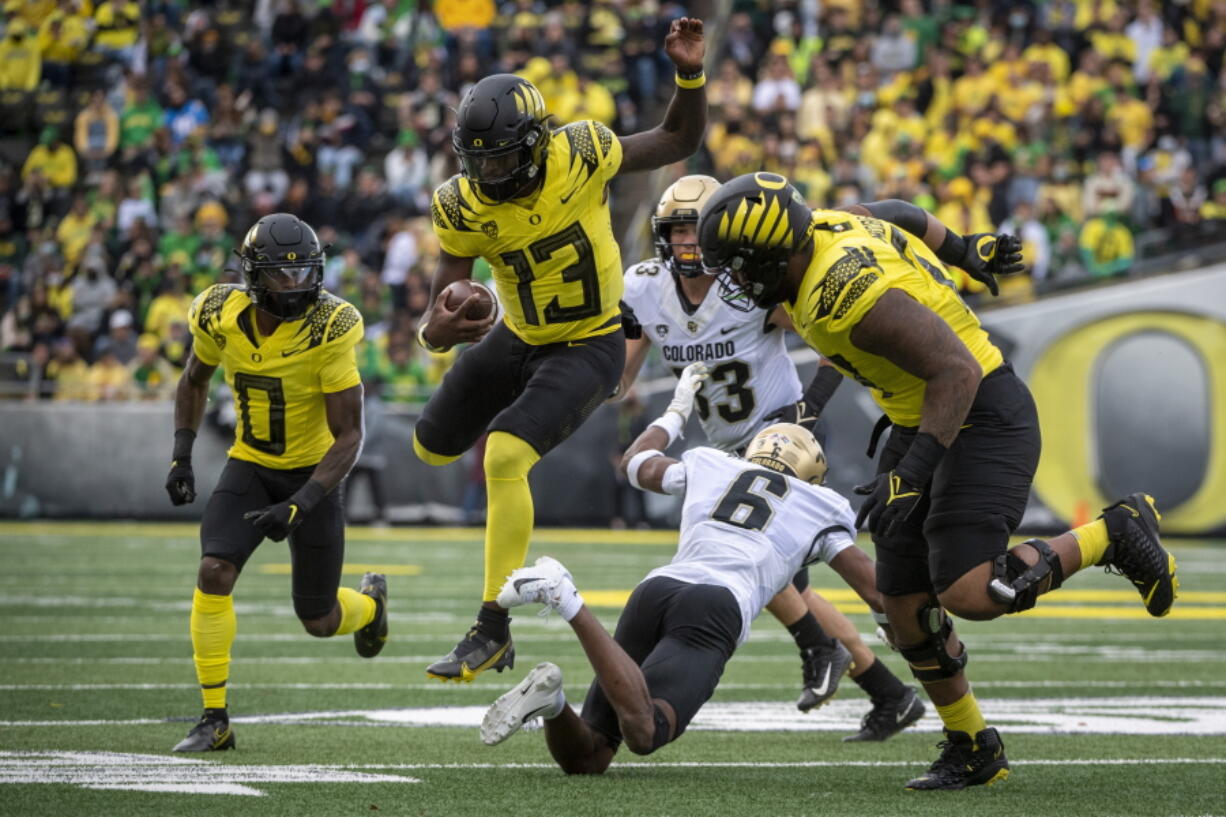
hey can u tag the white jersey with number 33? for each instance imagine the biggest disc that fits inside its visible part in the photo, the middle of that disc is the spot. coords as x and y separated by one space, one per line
751 374
750 529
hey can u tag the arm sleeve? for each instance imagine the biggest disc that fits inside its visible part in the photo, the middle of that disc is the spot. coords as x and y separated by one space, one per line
203 345
340 368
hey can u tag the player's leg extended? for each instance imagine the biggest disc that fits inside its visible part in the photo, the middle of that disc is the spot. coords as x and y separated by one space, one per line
226 542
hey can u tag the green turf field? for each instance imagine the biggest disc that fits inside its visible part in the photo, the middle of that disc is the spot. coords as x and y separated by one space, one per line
1103 710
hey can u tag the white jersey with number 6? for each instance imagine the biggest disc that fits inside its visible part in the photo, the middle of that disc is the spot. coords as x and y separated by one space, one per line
751 374
750 529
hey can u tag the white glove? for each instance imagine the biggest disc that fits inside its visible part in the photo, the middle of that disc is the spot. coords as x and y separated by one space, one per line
691 380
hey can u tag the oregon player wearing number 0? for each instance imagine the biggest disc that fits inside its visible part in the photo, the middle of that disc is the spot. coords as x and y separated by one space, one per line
870 290
287 350
534 204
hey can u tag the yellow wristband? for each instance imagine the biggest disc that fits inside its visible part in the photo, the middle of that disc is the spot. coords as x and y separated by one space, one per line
696 82
425 344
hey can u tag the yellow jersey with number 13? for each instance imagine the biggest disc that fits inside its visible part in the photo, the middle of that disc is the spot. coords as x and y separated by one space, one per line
555 262
856 259
279 381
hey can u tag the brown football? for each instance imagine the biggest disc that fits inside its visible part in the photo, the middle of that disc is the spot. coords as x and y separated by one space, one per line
458 291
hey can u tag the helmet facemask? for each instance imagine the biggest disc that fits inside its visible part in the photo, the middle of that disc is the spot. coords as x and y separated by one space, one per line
286 290
682 259
762 290
500 174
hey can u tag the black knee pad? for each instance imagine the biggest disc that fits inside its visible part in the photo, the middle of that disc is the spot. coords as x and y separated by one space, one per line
801 580
1019 585
309 608
930 660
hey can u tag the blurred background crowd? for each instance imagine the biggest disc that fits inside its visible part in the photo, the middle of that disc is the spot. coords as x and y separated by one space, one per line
139 141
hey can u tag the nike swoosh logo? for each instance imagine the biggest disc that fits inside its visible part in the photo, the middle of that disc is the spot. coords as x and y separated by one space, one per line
902 715
821 690
567 197
521 582
727 329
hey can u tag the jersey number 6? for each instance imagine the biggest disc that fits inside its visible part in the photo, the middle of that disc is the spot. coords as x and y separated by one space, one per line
583 271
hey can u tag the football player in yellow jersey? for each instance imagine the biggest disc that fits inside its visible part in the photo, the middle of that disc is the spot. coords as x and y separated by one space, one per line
287 350
534 204
869 290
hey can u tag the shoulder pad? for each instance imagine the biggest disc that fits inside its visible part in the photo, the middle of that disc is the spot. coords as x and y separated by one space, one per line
343 320
206 309
315 324
450 210
583 146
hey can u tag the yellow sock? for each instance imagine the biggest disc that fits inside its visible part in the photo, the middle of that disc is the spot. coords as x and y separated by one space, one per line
357 610
429 457
963 715
1092 540
213 626
509 512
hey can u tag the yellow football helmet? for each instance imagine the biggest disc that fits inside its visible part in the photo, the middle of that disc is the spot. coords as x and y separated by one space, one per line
680 204
789 449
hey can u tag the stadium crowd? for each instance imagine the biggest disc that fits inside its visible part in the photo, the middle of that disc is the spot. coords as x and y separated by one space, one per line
138 140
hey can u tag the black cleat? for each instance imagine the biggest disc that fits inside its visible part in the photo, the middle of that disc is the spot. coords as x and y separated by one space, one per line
1137 554
823 668
964 762
475 653
369 640
209 735
889 717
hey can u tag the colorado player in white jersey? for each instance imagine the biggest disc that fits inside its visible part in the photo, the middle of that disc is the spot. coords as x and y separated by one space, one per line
748 526
752 382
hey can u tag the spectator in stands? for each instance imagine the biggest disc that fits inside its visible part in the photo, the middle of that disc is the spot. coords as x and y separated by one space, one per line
152 376
407 170
69 372
108 379
1215 208
96 133
1106 245
777 90
894 49
183 116
120 340
62 37
1108 189
117 28
75 229
169 307
54 159
21 61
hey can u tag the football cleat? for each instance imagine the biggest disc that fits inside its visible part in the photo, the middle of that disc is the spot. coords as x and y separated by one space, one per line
547 582
209 735
823 668
538 695
1137 554
965 762
369 640
475 653
889 717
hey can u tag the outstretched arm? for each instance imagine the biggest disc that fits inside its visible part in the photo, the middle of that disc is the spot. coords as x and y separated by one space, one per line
982 255
680 134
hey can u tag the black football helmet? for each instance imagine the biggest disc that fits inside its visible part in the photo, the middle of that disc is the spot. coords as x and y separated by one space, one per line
747 232
283 264
681 204
501 136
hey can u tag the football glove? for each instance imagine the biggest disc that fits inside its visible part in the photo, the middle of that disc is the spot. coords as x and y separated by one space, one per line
278 521
181 484
986 255
691 380
631 327
892 496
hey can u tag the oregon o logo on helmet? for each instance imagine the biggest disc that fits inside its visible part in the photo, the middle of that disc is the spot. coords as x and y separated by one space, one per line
291 256
478 142
771 181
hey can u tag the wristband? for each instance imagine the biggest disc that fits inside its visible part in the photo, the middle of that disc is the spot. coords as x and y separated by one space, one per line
636 462
921 459
952 249
690 81
672 423
308 496
425 344
184 439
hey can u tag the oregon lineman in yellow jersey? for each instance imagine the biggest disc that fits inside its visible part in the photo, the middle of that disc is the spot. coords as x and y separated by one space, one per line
868 288
286 349
534 204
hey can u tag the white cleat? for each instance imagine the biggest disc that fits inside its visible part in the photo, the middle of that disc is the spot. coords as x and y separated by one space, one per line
538 695
547 582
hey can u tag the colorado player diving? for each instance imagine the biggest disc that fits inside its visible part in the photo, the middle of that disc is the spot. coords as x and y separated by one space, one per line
751 383
748 525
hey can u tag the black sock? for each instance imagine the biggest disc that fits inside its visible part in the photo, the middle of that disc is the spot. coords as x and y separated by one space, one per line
494 623
879 682
217 714
808 633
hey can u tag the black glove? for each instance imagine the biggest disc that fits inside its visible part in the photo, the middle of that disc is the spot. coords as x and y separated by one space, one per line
802 413
631 327
893 496
278 521
983 255
181 483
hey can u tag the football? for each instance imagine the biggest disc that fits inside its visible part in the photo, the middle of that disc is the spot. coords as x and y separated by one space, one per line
458 291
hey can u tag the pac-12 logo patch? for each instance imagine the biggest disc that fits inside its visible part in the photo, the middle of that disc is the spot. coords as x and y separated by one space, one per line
661 330
490 228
